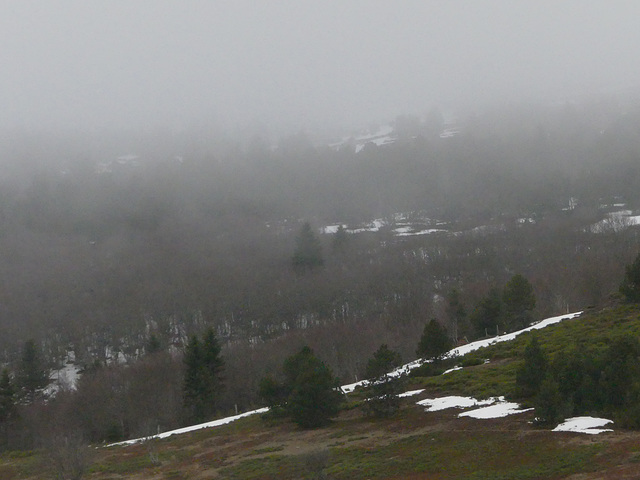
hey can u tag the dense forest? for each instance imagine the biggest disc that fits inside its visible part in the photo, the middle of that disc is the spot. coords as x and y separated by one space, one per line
119 249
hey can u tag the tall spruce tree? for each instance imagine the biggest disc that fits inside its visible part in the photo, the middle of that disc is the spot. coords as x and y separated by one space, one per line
434 342
456 314
203 376
32 376
309 394
308 251
487 316
519 300
314 396
532 372
382 399
630 286
7 396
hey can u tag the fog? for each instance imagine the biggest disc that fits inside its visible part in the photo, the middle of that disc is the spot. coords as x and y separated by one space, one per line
295 65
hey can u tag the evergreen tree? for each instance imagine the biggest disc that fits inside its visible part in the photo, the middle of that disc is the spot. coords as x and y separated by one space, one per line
487 316
274 394
532 372
153 345
621 367
7 403
213 366
340 239
308 251
7 396
519 300
434 342
382 398
630 286
32 375
456 314
314 396
549 403
309 393
202 379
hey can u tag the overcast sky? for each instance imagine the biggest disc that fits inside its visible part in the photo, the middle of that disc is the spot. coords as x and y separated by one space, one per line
297 64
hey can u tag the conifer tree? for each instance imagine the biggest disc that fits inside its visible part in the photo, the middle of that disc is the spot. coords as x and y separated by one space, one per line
202 378
487 316
309 393
530 375
7 403
519 300
434 342
456 314
32 375
314 396
630 286
7 396
383 400
308 251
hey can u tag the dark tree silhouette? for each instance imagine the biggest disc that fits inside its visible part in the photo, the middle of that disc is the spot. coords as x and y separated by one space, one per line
434 342
382 398
32 375
630 286
530 375
519 300
308 251
202 380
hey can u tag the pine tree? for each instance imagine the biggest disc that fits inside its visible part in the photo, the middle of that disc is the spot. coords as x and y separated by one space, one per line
153 345
340 239
312 390
7 396
487 316
308 251
456 314
519 300
202 379
549 403
630 286
530 375
7 403
434 342
213 365
382 398
32 376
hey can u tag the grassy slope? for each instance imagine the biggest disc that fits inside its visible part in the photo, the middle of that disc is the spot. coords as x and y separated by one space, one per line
414 445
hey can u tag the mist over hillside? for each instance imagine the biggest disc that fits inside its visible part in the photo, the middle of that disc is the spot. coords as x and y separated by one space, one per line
332 175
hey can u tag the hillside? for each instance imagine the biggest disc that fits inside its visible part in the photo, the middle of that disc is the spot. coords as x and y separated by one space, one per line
415 444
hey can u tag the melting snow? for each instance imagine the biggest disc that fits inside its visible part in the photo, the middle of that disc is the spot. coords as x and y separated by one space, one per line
494 407
442 403
214 423
500 409
411 393
584 425
451 370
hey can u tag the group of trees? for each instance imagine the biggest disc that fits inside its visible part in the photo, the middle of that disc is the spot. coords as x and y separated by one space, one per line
582 381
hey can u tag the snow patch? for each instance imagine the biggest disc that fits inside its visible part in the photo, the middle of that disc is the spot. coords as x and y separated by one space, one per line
411 393
214 423
499 410
453 401
587 425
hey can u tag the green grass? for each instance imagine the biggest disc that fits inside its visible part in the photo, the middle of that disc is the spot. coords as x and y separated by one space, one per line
477 455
